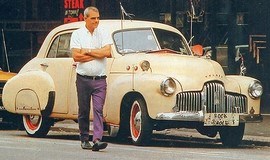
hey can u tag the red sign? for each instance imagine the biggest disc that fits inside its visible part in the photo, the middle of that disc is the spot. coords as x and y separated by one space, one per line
73 10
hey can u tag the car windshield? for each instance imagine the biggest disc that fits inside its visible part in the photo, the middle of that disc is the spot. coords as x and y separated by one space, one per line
146 40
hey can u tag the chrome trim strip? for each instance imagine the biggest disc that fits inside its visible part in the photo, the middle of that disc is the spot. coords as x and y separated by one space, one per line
251 118
181 116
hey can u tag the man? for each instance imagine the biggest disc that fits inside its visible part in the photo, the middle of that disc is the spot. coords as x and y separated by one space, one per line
90 46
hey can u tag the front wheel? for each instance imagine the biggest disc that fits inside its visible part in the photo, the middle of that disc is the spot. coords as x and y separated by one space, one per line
232 136
140 123
37 126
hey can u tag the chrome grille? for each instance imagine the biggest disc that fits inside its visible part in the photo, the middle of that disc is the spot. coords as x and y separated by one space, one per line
237 104
214 97
188 101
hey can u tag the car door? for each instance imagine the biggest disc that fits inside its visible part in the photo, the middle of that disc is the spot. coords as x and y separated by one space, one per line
60 66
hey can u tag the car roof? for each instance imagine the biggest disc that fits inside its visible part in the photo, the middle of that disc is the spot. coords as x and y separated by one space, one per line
113 25
110 25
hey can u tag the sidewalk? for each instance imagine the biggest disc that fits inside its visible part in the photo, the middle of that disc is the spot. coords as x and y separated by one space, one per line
259 129
257 132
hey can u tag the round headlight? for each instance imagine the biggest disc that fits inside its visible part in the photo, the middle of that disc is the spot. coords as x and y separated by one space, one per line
168 87
255 89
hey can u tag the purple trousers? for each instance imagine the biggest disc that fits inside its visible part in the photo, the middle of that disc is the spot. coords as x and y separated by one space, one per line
87 88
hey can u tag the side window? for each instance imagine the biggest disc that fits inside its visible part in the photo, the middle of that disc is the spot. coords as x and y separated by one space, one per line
53 49
60 47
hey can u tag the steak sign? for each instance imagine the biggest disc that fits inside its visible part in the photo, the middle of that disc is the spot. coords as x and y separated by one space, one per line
73 10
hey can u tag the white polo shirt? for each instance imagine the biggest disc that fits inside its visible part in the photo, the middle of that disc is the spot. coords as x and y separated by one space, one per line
82 38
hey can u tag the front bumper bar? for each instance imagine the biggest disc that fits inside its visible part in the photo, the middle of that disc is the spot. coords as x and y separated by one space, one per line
199 117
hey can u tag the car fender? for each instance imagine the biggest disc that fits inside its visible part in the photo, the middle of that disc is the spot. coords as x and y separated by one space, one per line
156 102
29 92
244 83
118 87
143 84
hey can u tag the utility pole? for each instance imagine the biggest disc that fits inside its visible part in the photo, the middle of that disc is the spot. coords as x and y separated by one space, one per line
173 12
213 27
232 37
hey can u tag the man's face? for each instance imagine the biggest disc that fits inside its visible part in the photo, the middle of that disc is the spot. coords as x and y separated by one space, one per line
92 20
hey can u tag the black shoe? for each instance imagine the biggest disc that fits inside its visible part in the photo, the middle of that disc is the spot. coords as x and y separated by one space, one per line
99 145
86 145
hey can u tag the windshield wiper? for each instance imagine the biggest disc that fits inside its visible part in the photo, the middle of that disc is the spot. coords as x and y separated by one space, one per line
165 50
145 51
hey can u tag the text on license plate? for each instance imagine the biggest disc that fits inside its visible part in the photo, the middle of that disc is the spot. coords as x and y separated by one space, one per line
221 119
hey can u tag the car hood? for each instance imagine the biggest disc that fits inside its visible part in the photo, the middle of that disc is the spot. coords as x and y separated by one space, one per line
185 65
191 72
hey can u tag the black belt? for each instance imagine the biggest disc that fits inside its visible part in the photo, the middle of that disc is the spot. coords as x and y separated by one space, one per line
93 77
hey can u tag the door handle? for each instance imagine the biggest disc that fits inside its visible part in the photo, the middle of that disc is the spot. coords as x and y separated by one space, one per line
44 65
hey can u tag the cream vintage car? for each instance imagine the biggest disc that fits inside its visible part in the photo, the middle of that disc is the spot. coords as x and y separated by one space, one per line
155 82
13 120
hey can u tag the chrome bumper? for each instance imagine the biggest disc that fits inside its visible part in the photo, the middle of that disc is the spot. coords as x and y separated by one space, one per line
199 117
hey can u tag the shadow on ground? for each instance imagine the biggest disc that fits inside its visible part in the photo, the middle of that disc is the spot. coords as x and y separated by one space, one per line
159 140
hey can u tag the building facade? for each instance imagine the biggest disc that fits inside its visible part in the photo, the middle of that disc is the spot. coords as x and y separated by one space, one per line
212 23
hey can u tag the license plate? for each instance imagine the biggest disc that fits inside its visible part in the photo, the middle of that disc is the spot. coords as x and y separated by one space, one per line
221 119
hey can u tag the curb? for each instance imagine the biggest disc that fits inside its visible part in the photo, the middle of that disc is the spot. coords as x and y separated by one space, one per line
192 134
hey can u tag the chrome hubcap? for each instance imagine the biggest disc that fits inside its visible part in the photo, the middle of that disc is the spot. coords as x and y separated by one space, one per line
137 121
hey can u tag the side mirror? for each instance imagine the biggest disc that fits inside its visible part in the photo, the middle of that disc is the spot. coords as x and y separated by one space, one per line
197 50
